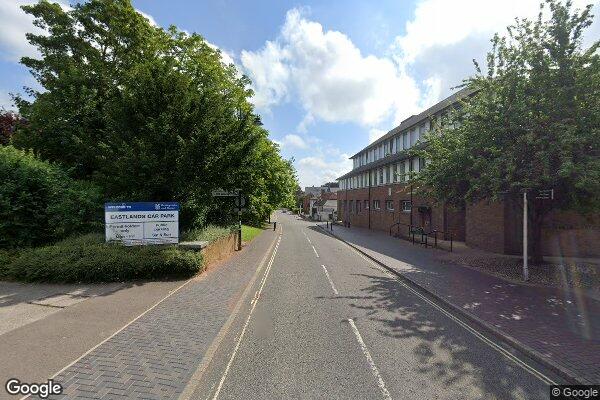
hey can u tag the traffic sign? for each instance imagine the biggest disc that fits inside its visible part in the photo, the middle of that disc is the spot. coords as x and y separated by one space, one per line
545 194
225 193
240 201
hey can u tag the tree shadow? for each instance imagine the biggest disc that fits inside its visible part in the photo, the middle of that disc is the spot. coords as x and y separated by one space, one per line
444 351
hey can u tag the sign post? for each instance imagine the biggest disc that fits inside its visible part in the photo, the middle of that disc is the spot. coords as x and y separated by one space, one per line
240 202
525 267
142 223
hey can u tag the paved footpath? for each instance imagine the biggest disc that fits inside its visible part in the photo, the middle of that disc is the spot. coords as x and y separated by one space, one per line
155 356
562 326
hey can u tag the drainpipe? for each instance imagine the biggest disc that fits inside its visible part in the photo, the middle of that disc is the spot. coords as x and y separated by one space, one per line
369 199
411 205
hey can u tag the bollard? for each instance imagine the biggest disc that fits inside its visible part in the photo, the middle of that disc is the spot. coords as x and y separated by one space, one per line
274 225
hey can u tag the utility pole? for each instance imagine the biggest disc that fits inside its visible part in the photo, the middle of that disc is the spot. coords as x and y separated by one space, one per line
525 267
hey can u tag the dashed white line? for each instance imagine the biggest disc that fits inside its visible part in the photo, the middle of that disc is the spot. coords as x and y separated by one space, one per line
329 279
241 336
374 370
306 236
315 250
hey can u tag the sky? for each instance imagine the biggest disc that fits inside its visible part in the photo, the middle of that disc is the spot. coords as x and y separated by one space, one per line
329 77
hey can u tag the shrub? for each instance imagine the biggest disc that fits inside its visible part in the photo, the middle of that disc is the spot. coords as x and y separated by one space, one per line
209 233
88 258
39 203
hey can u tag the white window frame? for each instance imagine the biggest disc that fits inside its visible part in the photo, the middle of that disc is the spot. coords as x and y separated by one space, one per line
406 206
387 204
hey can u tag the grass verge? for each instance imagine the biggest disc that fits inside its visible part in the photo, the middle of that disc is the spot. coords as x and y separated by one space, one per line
250 232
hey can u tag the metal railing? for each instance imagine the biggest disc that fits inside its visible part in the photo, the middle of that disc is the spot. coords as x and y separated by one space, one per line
415 231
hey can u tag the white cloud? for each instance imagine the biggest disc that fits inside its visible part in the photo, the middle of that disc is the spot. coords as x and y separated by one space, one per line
294 141
323 166
269 73
14 24
226 57
375 133
6 102
444 36
328 74
149 17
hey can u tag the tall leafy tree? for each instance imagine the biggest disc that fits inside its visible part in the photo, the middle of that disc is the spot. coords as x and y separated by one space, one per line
533 122
147 113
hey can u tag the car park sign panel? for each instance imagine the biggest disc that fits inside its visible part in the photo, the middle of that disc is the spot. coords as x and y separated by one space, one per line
142 223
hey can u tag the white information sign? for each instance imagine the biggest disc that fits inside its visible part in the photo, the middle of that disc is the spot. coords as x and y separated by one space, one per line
142 223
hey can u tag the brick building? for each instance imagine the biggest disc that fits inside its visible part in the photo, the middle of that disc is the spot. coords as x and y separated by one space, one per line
376 194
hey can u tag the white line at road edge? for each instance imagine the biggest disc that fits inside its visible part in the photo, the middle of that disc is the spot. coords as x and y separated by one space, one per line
254 302
466 326
329 278
386 395
315 250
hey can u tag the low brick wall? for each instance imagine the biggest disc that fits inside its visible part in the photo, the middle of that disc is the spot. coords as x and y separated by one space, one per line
218 250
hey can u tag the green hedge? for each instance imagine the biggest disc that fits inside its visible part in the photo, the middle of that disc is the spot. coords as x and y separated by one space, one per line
88 259
39 203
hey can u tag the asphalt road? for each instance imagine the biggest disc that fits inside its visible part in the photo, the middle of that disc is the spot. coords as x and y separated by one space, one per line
322 322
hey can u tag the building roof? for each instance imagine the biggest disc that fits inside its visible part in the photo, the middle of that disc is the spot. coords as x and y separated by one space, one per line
417 119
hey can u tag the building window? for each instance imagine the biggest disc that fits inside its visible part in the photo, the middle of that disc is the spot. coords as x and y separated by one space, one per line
402 171
366 204
381 176
406 205
405 144
351 206
416 164
376 205
358 206
389 205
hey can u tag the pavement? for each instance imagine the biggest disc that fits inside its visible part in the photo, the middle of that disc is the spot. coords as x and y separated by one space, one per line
46 327
155 355
562 326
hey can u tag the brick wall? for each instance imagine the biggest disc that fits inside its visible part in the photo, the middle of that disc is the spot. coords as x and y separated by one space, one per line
485 226
566 233
383 218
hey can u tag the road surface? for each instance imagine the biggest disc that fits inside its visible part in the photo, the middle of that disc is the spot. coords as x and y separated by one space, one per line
325 322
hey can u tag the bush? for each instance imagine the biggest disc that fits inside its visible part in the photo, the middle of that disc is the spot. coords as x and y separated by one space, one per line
88 258
209 233
39 203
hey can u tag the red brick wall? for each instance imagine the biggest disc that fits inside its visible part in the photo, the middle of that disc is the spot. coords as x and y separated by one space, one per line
568 234
490 226
383 219
485 226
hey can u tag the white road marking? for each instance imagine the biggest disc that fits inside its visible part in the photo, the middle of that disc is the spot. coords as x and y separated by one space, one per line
306 236
329 278
386 395
241 336
466 326
315 250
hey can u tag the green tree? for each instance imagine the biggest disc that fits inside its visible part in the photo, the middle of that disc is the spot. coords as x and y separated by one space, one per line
147 114
532 123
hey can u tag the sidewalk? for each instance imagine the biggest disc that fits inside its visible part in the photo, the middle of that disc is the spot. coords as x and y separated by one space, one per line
562 327
155 356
